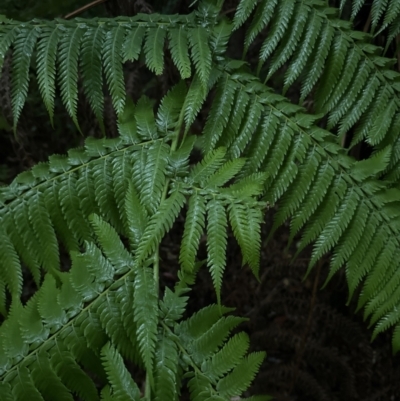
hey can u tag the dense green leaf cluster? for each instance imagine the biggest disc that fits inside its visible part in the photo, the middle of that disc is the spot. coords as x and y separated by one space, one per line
110 203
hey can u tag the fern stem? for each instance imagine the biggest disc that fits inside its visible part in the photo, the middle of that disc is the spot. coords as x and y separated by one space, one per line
147 390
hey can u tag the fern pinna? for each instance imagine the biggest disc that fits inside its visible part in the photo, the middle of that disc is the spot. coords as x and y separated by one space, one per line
110 203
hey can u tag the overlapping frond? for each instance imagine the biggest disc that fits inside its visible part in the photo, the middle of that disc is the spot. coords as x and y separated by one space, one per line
340 204
85 321
384 14
66 49
219 364
356 87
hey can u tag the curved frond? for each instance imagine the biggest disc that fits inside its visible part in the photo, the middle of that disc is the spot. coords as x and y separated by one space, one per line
122 385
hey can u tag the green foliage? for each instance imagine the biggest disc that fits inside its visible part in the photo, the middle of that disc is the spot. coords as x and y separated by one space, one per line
110 203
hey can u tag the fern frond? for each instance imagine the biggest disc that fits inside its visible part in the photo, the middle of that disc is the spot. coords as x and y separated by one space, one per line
146 316
225 173
136 217
219 116
70 45
178 42
112 54
243 12
160 223
246 225
166 370
264 12
133 43
24 45
10 269
217 368
49 309
46 67
104 192
154 49
42 226
169 115
216 242
89 46
320 52
194 226
111 244
209 342
228 357
242 375
154 176
122 384
194 100
6 39
200 52
207 166
91 64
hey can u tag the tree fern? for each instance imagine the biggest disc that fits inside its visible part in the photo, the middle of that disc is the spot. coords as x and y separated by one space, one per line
110 203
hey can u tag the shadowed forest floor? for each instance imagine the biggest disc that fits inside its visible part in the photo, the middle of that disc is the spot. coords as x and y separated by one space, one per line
317 349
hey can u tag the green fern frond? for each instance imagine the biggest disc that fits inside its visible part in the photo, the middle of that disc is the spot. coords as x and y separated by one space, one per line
166 370
228 357
169 115
216 242
111 244
211 162
225 173
145 122
112 55
222 366
330 202
133 43
24 45
194 226
136 217
219 116
200 53
146 316
178 40
322 50
160 223
122 384
154 176
89 47
241 376
46 68
11 273
243 12
70 45
208 343
154 49
194 100
91 65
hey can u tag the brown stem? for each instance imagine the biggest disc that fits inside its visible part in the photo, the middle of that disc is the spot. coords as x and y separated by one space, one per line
84 8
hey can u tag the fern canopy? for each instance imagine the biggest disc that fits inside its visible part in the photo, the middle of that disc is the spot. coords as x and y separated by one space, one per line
87 226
